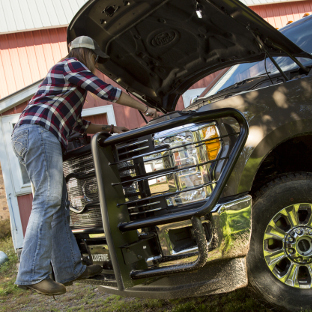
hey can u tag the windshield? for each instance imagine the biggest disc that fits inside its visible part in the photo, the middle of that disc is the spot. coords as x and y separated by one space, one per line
299 32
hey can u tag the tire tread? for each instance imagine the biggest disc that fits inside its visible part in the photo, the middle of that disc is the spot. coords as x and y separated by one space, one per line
280 179
265 193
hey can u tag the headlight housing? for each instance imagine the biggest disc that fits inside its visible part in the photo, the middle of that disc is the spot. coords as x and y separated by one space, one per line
169 168
191 152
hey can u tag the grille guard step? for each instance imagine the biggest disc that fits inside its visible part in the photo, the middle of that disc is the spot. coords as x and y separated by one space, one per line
201 241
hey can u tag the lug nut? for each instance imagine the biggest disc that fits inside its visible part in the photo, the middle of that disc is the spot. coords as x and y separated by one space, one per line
299 232
290 239
291 250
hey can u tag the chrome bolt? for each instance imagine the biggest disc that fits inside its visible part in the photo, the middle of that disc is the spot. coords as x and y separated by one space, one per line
299 232
291 250
299 259
290 239
310 232
307 231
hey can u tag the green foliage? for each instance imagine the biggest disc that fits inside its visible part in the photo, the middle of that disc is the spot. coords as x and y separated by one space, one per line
8 287
81 297
5 229
8 268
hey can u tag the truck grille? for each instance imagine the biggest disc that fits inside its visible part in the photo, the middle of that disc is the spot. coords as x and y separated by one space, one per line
82 190
163 173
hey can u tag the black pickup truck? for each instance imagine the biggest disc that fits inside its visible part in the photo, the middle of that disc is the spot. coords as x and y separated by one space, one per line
217 196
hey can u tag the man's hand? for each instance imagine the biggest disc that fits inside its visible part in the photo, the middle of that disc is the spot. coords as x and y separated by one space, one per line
120 129
152 112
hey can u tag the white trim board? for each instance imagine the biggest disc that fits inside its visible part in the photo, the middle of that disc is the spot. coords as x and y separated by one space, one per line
188 95
105 109
19 187
16 224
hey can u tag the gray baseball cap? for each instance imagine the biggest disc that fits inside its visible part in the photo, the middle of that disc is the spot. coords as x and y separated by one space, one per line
89 43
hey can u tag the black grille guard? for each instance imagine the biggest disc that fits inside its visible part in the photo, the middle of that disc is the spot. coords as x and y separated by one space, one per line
101 147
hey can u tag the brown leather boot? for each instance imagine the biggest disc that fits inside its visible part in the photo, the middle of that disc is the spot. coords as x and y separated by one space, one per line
90 271
46 287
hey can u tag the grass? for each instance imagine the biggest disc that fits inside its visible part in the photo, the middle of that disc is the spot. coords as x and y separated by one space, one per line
5 229
8 269
81 297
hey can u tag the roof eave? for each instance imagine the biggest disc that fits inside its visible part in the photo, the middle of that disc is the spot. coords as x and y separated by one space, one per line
18 97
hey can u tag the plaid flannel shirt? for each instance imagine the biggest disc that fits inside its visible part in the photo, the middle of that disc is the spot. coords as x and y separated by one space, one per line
58 102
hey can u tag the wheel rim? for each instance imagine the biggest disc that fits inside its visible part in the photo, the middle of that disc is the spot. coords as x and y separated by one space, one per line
287 245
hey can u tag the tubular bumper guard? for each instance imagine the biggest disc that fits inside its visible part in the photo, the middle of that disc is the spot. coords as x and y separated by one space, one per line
119 230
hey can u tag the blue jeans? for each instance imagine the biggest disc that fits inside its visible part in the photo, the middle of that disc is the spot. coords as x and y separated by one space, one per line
48 239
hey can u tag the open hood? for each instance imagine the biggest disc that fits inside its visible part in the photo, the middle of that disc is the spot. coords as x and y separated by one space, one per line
159 48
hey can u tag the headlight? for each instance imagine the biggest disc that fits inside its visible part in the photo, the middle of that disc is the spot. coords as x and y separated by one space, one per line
190 152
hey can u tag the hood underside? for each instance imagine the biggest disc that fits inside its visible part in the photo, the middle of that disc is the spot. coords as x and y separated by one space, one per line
158 48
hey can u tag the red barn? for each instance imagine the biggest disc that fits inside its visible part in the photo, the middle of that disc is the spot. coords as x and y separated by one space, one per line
32 39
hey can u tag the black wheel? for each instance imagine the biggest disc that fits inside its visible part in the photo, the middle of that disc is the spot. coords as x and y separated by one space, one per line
280 255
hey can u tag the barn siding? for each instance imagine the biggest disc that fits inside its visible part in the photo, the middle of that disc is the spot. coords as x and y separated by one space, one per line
24 205
26 57
278 15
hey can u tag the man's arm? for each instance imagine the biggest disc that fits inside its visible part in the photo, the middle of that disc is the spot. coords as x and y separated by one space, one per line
127 100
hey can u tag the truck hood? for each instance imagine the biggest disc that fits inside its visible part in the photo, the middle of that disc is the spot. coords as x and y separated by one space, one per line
159 48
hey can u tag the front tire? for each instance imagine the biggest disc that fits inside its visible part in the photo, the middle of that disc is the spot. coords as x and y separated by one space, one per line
280 255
